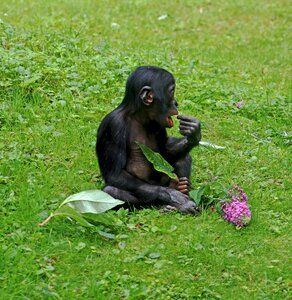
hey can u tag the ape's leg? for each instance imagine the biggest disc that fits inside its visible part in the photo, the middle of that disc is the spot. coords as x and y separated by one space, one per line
182 168
122 195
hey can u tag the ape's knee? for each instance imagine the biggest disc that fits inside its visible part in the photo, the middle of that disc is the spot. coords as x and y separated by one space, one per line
121 194
111 190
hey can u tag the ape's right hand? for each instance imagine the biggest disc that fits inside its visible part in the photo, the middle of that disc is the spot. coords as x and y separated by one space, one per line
191 128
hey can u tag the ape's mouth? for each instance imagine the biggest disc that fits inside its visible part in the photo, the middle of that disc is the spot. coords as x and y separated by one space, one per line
169 121
169 115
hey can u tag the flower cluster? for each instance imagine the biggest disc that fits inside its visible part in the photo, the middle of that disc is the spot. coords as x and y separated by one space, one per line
236 210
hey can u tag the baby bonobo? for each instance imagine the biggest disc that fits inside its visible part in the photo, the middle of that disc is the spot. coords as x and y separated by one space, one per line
143 116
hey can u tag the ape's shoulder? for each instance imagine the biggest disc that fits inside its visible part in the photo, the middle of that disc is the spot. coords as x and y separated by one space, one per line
113 127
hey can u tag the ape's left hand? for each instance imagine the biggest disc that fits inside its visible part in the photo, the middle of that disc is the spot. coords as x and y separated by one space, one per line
190 128
182 184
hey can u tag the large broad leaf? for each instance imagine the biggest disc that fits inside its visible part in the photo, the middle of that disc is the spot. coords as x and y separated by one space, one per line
105 219
70 212
92 201
159 163
208 144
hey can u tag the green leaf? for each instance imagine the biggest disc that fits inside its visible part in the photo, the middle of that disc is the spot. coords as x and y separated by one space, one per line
106 234
197 194
92 201
159 163
154 255
218 208
80 246
30 80
69 212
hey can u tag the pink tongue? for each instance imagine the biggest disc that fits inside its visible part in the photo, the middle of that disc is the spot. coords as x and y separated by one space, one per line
170 122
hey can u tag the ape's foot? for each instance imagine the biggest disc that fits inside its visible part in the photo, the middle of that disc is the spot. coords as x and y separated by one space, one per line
167 209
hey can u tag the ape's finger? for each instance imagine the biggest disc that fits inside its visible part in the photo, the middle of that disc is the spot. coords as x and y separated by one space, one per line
182 183
185 132
187 119
185 191
183 186
184 127
196 124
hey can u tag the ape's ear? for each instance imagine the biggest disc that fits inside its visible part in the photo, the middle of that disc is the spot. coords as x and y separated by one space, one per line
146 95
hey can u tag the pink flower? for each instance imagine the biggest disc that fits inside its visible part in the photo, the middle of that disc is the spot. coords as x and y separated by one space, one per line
236 210
239 104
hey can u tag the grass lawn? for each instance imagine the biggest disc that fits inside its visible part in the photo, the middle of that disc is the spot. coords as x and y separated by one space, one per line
63 67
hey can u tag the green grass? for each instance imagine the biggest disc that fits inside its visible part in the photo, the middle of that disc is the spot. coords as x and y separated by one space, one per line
63 66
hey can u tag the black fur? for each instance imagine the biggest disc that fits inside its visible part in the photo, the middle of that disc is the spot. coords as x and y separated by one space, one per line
119 159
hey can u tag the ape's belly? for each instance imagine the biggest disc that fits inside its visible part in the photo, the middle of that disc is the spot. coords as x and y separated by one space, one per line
140 167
